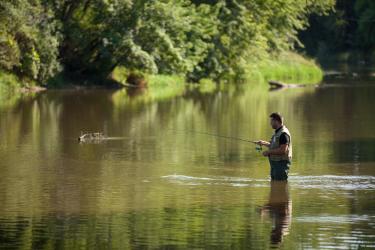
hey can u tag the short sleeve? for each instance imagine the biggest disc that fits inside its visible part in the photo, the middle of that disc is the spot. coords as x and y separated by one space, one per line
284 139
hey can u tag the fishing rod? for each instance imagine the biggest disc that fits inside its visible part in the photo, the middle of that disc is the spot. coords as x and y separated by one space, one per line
258 147
98 137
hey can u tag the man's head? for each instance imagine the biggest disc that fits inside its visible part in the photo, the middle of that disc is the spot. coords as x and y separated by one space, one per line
276 120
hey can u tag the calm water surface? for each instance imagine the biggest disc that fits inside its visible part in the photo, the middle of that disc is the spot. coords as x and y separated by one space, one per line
158 184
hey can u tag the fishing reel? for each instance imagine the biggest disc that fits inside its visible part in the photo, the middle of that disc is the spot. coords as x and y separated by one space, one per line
258 148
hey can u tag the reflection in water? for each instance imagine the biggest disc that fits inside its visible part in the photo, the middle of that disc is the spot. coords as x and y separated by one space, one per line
279 208
59 193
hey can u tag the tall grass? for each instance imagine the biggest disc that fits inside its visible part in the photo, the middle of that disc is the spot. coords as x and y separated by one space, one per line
9 84
288 67
8 81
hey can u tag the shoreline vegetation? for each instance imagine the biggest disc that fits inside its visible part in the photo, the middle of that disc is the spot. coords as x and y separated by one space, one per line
96 44
288 67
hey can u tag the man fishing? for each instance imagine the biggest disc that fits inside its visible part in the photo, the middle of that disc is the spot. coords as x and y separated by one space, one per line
280 148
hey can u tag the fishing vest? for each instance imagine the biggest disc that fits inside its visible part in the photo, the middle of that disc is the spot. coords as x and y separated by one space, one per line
275 143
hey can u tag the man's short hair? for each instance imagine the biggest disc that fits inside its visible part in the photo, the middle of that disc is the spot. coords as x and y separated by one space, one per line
276 116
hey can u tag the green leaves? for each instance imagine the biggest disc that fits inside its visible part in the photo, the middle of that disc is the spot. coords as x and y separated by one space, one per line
9 51
366 21
198 39
346 34
28 40
248 30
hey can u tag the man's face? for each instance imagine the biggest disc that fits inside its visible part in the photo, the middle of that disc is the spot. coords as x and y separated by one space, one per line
274 124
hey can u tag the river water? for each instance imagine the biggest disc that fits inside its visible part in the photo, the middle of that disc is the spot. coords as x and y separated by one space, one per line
160 183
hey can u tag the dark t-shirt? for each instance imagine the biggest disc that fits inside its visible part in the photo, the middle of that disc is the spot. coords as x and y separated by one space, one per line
284 138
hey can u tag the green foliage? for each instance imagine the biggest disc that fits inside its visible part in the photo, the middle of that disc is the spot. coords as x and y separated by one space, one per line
197 39
160 87
287 67
249 30
8 81
28 44
10 52
120 74
155 36
366 19
346 34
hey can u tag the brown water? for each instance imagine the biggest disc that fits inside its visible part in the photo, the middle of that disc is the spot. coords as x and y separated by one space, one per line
163 186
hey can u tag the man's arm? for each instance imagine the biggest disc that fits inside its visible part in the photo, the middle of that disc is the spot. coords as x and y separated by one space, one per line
282 149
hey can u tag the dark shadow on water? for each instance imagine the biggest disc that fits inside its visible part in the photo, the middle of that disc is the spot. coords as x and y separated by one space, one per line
279 209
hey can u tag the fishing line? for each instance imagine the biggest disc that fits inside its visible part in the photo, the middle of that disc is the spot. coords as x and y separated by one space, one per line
258 147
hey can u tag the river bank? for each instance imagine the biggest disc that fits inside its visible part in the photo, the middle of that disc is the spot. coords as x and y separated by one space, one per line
287 67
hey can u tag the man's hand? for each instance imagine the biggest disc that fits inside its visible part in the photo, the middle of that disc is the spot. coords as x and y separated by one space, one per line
263 143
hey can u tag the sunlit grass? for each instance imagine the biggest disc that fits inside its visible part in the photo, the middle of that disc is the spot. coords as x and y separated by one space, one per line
8 81
287 67
120 74
9 84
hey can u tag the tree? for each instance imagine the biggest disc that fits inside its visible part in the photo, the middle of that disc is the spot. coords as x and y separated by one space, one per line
365 10
155 36
195 38
249 30
29 40
349 27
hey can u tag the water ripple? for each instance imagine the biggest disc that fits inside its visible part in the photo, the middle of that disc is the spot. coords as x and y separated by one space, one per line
340 219
332 182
